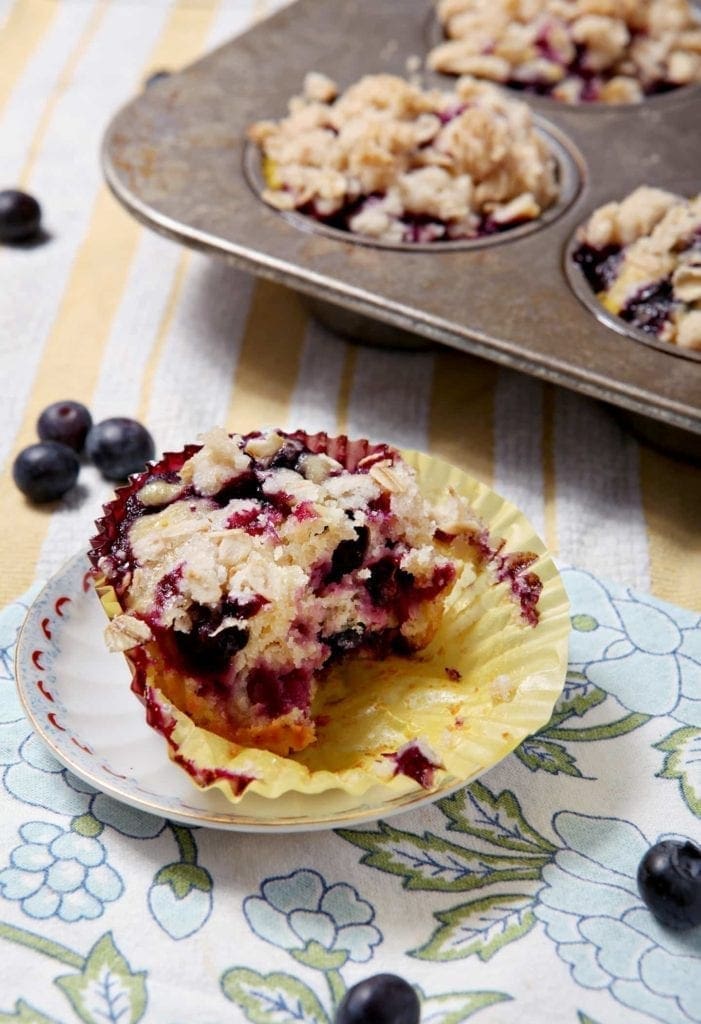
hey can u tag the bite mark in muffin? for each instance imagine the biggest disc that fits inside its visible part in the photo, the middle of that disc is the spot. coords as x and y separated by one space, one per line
246 568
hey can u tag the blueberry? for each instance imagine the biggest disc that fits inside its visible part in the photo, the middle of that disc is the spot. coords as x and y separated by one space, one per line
20 216
67 422
208 647
157 76
669 880
382 999
650 309
348 555
119 447
45 471
287 457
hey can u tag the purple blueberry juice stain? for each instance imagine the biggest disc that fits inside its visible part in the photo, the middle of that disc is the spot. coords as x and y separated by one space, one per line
205 777
651 308
450 113
163 722
278 693
525 586
157 716
412 762
599 266
167 588
263 519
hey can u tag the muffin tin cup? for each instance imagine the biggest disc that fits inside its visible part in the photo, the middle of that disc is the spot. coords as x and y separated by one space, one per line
568 170
177 157
582 289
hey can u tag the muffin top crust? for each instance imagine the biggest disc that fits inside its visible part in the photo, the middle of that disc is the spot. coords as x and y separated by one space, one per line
642 257
389 160
606 51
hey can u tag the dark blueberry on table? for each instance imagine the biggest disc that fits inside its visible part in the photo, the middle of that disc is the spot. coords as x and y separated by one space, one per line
382 999
119 447
156 77
669 879
20 216
45 471
67 422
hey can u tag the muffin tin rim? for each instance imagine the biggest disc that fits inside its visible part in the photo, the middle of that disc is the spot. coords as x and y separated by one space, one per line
571 167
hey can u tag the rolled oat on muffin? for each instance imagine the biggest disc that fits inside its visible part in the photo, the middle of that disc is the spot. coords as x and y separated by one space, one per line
389 160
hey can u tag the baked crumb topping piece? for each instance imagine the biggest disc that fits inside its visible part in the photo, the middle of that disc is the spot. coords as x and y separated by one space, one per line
259 562
389 160
642 257
606 51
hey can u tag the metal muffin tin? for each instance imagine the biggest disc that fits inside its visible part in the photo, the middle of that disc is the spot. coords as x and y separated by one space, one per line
177 158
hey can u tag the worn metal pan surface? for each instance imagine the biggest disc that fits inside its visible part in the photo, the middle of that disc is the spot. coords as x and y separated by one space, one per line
177 158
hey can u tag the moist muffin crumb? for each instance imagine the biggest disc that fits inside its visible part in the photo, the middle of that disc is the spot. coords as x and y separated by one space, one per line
248 566
391 161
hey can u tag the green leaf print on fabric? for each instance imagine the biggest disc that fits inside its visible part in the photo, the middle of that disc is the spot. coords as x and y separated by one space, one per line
487 924
481 927
106 989
455 1007
498 819
430 863
544 755
274 998
579 698
25 1014
683 762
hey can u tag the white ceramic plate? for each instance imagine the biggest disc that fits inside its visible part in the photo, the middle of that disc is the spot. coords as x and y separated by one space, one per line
77 696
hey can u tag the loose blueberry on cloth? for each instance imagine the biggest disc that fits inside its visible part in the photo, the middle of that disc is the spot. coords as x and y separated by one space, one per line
512 898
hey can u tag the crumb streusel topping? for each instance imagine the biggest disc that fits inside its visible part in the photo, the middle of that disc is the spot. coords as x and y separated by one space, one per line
642 257
389 160
607 51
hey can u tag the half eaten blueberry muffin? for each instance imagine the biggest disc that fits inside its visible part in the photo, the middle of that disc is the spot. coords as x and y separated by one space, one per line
245 567
577 51
391 161
642 257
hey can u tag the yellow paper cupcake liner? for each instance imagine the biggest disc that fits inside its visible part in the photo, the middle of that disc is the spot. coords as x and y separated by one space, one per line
488 679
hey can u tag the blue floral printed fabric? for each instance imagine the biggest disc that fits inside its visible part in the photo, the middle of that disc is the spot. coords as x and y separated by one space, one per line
512 900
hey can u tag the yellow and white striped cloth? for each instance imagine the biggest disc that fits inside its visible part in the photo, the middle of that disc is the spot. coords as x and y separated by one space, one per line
110 314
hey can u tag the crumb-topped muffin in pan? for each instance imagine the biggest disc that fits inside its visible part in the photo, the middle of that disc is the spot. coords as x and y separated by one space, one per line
292 608
577 51
642 258
388 160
